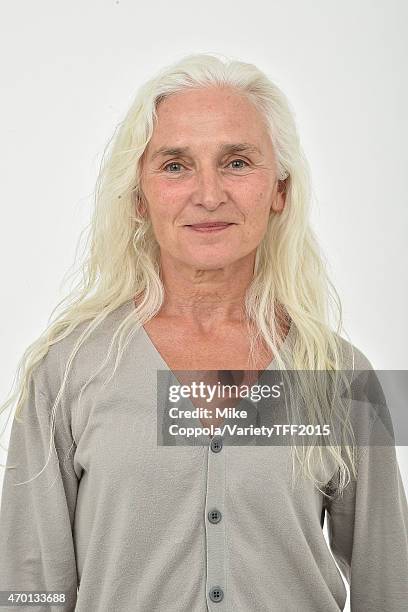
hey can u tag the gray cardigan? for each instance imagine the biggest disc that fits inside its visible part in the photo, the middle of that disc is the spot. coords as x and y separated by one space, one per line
139 527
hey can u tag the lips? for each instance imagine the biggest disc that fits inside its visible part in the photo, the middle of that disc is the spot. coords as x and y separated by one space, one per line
210 227
210 224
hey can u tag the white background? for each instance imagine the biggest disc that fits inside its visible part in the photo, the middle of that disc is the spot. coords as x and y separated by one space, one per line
70 71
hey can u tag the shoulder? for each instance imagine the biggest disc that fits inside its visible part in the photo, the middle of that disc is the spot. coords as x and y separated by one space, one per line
369 402
90 340
352 357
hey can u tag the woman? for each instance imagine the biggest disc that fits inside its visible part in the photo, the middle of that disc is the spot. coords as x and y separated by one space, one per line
201 258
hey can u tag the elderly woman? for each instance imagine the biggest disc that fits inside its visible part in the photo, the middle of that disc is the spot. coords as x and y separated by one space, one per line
201 261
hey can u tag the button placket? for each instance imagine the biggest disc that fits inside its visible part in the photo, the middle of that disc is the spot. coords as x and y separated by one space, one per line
215 527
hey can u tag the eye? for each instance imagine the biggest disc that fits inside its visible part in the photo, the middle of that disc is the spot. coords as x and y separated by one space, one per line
171 164
239 161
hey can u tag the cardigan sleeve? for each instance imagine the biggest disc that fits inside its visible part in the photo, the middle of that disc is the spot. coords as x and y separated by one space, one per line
36 518
368 529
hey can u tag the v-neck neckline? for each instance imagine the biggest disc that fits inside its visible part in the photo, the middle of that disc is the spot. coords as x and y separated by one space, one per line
288 341
164 366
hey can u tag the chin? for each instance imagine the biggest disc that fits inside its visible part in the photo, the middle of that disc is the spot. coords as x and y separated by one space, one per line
210 262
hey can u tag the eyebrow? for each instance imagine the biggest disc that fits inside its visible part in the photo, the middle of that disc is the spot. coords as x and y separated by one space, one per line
235 147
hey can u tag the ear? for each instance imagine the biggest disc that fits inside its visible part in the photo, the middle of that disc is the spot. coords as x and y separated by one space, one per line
140 203
279 201
142 207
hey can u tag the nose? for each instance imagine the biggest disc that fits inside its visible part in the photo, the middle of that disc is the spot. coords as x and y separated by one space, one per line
209 191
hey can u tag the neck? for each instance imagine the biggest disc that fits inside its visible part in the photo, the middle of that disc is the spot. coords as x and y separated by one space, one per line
208 297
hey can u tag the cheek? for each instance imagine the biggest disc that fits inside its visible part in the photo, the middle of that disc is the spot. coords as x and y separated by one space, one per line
254 192
255 216
255 209
166 200
168 189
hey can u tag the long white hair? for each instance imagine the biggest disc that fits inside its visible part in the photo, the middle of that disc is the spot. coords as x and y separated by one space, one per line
122 257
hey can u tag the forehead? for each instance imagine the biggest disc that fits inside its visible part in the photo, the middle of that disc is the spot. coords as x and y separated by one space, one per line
208 114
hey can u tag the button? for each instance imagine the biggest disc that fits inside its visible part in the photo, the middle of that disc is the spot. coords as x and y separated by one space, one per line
214 516
216 444
216 593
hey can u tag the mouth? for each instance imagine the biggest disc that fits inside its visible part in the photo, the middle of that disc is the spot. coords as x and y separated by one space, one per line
209 227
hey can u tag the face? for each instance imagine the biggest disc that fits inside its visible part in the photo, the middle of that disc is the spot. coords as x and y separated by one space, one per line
210 160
